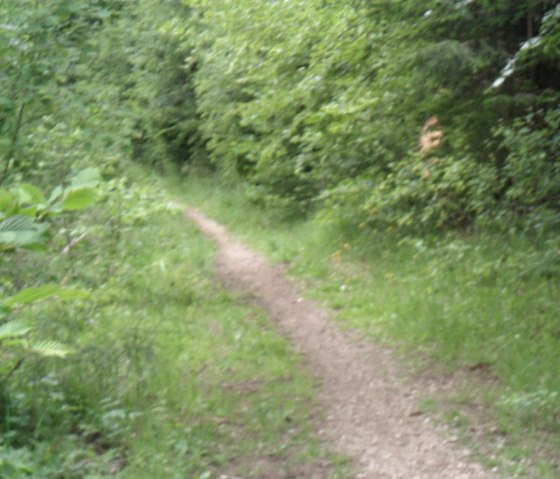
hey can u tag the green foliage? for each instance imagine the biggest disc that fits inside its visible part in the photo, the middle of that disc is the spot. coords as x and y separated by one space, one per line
27 297
13 333
13 329
168 376
315 101
168 121
15 463
18 230
314 104
44 49
40 293
533 171
143 56
483 305
25 210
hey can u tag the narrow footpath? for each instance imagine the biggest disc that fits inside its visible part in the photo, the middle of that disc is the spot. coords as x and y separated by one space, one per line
370 414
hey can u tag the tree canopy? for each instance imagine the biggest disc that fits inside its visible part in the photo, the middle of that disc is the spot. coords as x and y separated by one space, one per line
393 118
318 103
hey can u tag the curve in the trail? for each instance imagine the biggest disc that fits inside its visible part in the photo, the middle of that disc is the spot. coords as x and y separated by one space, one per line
369 412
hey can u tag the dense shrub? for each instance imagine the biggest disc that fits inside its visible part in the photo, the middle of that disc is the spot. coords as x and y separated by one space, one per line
316 100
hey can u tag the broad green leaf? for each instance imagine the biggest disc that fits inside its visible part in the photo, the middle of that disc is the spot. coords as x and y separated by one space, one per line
89 177
78 199
56 193
31 211
7 200
22 195
36 194
30 295
13 329
49 347
17 223
19 230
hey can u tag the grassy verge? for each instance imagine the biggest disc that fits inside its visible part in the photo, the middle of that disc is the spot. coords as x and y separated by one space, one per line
485 308
171 377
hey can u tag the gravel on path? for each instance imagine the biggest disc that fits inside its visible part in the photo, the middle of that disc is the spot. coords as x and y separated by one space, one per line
370 414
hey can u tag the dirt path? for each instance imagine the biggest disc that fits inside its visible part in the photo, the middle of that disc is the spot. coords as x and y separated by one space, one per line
370 414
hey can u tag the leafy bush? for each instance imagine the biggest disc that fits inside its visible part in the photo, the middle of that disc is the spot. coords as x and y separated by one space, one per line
24 211
313 100
532 170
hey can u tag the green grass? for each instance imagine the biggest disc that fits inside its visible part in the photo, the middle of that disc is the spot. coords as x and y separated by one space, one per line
485 306
171 378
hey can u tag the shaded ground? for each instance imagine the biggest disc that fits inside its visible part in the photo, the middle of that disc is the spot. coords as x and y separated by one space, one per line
370 414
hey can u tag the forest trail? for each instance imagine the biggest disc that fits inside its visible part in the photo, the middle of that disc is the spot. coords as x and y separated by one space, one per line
370 414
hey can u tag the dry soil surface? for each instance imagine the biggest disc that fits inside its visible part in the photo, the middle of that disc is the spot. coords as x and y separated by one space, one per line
371 414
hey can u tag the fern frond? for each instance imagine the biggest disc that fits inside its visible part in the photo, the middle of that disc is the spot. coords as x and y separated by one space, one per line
49 347
13 329
46 291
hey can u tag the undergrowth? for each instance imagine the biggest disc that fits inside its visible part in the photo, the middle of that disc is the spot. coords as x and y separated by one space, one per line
170 376
483 304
